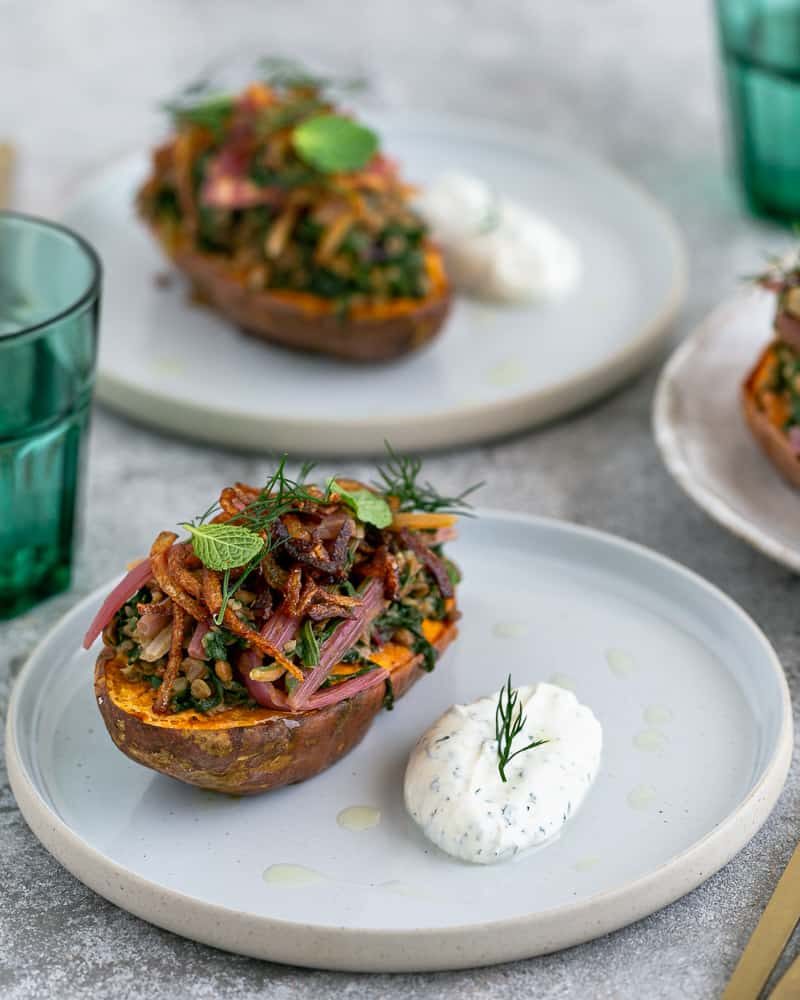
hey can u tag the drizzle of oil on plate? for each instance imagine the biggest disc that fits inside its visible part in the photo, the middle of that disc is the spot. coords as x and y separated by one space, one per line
657 715
641 797
293 876
620 662
510 629
359 818
650 740
506 373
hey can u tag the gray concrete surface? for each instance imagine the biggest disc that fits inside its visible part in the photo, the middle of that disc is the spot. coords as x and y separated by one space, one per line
632 80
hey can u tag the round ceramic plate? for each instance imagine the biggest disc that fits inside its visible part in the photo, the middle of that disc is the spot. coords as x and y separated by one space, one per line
675 671
703 437
494 370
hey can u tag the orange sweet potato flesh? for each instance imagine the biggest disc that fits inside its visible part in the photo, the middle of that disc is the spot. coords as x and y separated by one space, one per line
297 320
771 438
244 750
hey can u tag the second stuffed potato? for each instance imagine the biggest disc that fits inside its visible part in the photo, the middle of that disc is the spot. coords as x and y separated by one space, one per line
771 391
288 219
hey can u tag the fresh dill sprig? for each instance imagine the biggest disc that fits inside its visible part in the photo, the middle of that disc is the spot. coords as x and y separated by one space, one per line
229 587
277 71
782 270
280 495
400 479
209 104
508 725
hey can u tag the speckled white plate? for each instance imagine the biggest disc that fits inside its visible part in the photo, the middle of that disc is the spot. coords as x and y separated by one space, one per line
494 370
703 437
697 732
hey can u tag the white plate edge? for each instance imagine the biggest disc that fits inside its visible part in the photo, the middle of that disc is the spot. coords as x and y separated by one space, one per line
424 949
668 441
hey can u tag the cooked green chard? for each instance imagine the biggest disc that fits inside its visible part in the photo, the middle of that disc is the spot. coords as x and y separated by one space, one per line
400 618
216 642
309 649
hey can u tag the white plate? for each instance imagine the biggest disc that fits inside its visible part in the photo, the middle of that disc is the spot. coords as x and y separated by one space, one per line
703 437
494 370
698 737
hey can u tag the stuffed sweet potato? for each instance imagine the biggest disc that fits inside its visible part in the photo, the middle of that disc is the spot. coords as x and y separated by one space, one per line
771 391
256 652
287 219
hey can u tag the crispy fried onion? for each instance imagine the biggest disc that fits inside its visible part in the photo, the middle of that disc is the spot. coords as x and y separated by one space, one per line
212 595
159 560
162 699
383 565
234 499
306 547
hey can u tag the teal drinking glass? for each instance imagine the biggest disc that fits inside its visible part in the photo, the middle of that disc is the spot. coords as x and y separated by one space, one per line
760 42
49 304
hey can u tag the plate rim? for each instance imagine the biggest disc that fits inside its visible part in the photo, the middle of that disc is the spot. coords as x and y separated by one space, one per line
420 949
457 427
668 440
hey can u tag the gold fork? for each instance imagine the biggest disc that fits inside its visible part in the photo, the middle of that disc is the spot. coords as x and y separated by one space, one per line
6 172
767 942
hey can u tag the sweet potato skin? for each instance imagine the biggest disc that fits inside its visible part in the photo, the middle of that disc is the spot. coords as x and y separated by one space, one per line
304 323
772 440
245 751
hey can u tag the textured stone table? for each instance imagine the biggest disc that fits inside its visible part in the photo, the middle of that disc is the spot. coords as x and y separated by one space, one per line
631 80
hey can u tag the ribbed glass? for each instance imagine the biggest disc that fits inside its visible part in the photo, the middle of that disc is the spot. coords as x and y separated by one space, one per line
760 41
49 301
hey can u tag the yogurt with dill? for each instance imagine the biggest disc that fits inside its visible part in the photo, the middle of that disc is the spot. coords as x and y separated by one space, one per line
496 248
454 791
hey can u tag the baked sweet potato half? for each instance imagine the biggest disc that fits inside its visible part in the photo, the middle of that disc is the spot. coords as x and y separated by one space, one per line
770 394
256 652
248 750
767 412
288 220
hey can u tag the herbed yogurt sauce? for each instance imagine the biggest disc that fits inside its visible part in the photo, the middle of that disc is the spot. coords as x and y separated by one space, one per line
496 248
454 791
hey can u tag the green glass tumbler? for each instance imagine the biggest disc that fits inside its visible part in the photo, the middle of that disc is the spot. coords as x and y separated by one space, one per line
49 305
760 42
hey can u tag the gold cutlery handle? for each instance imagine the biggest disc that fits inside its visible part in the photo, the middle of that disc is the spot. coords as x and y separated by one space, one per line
6 173
788 987
769 938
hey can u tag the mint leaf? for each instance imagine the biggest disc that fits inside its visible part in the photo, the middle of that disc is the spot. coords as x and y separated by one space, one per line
332 143
224 546
368 507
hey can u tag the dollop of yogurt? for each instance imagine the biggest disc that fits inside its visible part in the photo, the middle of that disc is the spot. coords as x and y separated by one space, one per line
453 787
494 247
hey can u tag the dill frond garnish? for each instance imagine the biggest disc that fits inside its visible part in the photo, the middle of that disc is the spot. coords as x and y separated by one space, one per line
508 725
400 479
